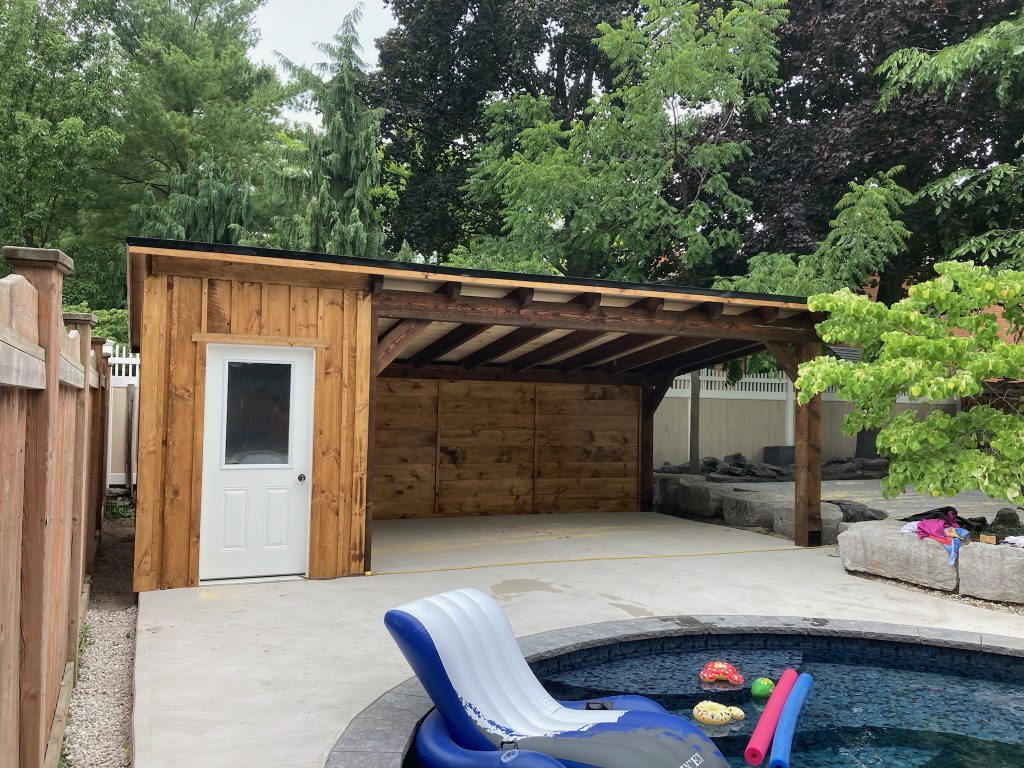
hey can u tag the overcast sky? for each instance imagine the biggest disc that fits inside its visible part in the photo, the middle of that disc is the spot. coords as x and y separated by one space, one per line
293 26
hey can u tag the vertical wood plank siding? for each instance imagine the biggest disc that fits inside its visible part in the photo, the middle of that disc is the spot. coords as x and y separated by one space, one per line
172 402
447 448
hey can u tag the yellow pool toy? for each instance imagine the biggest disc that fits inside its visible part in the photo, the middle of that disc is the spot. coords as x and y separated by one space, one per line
712 713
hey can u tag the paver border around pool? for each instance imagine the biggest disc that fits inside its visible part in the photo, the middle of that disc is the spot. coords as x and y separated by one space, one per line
380 735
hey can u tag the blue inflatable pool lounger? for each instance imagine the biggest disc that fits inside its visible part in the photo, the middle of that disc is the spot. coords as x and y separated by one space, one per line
492 711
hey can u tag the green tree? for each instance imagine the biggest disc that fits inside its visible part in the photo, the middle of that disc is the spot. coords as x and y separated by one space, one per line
57 81
937 343
987 199
866 235
436 69
335 176
642 186
206 203
825 130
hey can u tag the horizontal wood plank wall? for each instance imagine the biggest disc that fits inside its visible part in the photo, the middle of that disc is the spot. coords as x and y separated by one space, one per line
405 452
452 448
588 443
172 402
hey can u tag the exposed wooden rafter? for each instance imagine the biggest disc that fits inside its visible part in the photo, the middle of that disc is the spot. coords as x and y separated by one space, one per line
523 296
651 304
606 351
703 357
589 300
551 315
507 343
656 352
453 339
560 346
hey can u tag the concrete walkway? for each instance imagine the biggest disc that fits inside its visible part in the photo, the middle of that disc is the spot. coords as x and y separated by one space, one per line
267 675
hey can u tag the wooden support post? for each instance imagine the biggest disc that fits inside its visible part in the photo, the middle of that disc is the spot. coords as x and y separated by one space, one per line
84 402
40 679
652 395
807 479
371 441
807 433
100 469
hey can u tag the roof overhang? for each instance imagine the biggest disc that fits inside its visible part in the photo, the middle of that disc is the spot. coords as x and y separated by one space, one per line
444 321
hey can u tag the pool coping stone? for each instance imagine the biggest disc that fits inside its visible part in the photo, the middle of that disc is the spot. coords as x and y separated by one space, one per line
380 735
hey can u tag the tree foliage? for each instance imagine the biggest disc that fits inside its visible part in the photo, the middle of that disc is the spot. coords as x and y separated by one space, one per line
437 67
988 197
825 130
56 86
337 170
866 234
940 342
642 185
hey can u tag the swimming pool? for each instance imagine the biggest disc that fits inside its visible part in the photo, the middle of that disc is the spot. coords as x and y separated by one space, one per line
874 703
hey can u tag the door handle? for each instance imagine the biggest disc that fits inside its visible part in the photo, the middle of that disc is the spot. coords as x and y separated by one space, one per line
302 478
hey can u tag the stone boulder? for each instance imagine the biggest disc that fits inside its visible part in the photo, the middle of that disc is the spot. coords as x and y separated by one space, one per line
880 548
1006 517
701 499
748 512
855 512
992 572
831 520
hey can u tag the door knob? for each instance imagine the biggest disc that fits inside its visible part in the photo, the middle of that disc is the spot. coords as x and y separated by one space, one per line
302 478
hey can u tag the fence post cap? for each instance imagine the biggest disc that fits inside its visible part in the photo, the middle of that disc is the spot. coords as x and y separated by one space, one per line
80 318
18 255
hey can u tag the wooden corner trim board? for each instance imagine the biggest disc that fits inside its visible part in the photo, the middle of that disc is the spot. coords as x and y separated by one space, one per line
264 341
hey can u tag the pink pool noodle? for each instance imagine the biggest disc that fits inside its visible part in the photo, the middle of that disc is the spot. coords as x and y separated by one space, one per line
761 739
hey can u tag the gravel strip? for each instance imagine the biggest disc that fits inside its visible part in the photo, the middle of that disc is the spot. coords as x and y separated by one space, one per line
99 732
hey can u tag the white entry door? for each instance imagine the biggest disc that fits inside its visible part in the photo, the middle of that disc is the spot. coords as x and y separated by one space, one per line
257 456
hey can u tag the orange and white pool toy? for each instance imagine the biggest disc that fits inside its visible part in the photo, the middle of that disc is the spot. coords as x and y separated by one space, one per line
720 671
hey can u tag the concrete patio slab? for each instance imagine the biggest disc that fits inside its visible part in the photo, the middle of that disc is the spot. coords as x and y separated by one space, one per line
267 675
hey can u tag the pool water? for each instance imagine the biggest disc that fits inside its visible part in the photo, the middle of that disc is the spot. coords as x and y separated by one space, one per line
874 703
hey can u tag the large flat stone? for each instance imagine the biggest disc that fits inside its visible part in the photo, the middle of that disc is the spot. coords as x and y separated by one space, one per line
831 522
701 499
745 512
992 572
880 548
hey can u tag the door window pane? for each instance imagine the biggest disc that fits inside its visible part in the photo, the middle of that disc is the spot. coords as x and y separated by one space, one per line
257 412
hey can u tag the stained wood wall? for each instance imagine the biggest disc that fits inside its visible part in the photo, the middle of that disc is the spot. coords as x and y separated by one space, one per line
171 392
449 448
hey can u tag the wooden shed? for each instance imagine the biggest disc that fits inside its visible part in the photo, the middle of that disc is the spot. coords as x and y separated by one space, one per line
288 399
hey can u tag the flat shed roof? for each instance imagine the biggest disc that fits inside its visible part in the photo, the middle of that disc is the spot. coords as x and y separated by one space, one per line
442 321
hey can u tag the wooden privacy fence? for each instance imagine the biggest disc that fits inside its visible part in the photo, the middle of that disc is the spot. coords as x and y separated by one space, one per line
53 417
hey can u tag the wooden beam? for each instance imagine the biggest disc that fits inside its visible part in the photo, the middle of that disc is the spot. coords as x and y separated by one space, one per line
652 395
499 311
396 339
450 341
522 296
589 300
709 309
613 348
455 372
451 289
786 358
705 358
651 304
376 284
233 269
768 314
559 346
507 343
661 351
